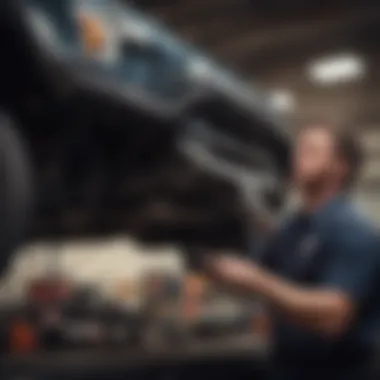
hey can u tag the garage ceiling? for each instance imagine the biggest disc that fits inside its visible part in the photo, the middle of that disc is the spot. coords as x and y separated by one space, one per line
271 43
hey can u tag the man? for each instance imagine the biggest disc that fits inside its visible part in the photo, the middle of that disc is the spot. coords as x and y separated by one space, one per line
320 273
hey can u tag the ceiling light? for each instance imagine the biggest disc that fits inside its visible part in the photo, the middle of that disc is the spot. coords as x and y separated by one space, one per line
282 100
336 69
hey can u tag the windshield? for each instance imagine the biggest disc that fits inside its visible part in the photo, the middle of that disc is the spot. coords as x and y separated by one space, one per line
106 32
66 26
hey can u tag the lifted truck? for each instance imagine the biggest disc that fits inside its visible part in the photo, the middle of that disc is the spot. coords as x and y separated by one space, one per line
93 144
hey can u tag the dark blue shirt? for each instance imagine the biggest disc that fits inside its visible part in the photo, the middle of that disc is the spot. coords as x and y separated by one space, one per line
334 248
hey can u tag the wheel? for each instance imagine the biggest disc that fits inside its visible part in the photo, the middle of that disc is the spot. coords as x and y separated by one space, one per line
15 191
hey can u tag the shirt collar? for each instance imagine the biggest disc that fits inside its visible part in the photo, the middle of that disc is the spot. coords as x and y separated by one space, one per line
324 211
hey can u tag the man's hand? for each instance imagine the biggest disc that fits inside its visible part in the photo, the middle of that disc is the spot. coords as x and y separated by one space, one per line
326 311
232 270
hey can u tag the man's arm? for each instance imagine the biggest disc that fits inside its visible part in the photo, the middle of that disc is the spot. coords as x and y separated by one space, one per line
326 309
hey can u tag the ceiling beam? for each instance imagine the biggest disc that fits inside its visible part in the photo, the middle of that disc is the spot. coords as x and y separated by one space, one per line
261 47
256 38
216 29
181 12
231 19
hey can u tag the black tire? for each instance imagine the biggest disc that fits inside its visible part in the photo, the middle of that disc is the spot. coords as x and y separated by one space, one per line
16 193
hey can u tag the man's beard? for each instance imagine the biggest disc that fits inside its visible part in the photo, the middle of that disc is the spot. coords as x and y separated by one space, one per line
315 185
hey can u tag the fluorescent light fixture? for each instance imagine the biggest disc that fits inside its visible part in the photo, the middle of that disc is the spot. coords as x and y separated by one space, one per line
335 69
282 100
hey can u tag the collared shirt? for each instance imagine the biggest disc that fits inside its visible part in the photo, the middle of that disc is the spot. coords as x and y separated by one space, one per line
334 248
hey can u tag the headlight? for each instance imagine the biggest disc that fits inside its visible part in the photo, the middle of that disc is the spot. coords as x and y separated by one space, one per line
98 26
93 33
76 26
94 28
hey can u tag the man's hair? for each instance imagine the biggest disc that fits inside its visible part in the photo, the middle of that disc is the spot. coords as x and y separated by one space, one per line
347 146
